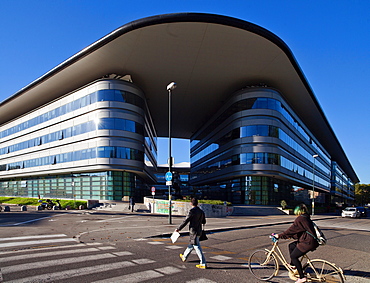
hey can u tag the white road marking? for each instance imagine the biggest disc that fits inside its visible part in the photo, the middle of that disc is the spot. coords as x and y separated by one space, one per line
32 220
51 253
54 262
221 257
173 247
65 275
156 243
123 253
201 280
168 270
133 277
26 243
32 237
118 218
48 248
143 261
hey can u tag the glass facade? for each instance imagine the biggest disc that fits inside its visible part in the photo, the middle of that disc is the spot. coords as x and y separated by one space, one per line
108 185
98 96
260 140
96 142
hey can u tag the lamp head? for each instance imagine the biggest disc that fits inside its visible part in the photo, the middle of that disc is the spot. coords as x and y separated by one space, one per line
171 86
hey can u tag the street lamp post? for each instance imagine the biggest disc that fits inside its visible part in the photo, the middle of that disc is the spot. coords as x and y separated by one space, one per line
313 183
170 88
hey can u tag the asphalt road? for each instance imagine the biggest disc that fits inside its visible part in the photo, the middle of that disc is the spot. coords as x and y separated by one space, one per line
99 246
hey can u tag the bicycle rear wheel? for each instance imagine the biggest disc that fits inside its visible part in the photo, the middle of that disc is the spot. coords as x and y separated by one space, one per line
262 265
319 270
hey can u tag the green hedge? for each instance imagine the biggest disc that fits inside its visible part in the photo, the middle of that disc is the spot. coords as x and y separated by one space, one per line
35 202
207 201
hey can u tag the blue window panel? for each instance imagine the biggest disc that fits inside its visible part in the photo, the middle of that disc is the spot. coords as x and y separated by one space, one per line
118 96
93 97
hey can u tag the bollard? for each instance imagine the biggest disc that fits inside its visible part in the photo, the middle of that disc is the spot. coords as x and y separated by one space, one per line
6 208
23 208
81 207
55 207
39 207
68 207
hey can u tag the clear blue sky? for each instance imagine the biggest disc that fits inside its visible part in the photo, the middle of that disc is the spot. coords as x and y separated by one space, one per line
330 40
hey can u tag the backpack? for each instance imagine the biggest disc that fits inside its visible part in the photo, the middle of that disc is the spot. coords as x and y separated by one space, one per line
319 237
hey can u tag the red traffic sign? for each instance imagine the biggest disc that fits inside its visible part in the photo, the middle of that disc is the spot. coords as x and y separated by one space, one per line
153 189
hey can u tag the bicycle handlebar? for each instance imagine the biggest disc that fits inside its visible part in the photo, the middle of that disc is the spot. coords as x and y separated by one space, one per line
273 239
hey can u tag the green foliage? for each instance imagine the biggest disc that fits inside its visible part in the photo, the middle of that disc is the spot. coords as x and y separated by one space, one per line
283 204
73 204
35 202
21 201
207 201
362 194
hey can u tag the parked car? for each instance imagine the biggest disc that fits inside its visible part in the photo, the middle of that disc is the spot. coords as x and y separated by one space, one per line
351 212
362 210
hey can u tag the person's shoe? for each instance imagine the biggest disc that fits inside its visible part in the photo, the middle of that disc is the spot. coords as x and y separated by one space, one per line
293 270
201 266
182 257
301 280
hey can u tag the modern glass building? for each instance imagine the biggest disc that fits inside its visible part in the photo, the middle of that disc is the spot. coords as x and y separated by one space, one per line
88 144
87 129
256 150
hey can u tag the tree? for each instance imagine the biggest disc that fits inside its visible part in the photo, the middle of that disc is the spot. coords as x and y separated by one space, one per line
362 194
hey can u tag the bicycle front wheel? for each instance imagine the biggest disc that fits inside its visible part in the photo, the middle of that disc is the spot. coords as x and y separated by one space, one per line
263 265
319 270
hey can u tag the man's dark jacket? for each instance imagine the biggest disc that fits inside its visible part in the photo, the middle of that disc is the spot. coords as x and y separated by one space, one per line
195 218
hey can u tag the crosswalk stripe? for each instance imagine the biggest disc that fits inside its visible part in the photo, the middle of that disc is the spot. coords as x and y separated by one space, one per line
52 254
133 277
168 270
54 262
221 257
5 253
25 243
32 237
123 253
143 261
201 280
64 275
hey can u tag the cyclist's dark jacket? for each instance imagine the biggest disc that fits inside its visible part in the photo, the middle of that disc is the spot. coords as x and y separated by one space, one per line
298 230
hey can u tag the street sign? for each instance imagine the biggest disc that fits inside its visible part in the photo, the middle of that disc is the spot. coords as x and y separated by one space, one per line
153 189
168 183
168 176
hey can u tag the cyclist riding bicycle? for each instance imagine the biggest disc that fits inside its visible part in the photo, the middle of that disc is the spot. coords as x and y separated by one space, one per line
304 243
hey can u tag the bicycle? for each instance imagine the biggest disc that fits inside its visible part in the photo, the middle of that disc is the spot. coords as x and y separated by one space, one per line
264 265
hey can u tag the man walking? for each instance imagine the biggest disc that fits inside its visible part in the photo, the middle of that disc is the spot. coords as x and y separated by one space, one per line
132 204
195 218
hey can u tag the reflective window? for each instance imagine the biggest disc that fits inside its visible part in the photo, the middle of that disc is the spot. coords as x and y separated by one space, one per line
90 153
101 95
104 124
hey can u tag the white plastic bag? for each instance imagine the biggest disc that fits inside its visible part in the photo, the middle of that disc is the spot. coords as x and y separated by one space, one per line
175 235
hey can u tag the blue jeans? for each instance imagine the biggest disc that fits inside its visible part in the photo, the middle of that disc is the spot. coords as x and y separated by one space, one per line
198 250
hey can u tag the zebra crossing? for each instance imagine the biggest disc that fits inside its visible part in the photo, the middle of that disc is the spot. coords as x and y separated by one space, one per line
57 258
